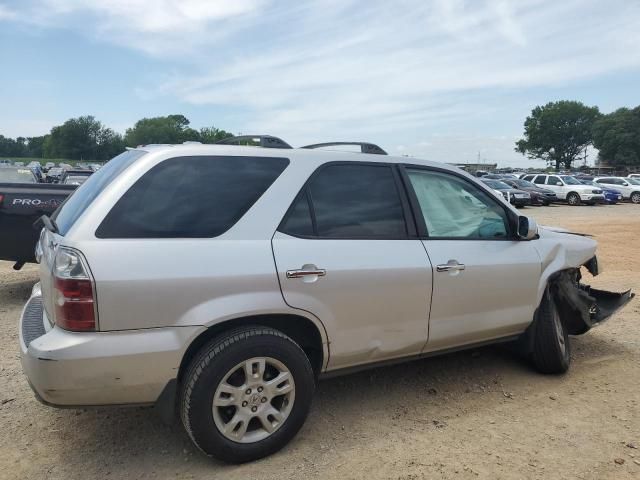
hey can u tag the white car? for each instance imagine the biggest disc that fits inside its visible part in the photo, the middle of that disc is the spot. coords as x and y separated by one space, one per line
568 188
629 187
634 175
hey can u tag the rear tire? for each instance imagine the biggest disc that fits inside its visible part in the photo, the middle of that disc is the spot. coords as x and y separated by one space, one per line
218 408
573 199
551 347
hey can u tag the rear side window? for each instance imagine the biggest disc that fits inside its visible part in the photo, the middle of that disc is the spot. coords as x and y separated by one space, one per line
540 179
191 197
78 202
349 201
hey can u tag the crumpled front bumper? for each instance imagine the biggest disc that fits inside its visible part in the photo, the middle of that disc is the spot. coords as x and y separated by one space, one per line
581 306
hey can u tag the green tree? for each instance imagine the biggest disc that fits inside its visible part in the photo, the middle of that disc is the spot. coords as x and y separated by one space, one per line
617 137
82 138
12 148
169 129
213 134
35 146
558 132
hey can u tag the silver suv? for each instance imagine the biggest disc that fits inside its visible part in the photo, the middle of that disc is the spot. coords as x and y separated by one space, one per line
222 281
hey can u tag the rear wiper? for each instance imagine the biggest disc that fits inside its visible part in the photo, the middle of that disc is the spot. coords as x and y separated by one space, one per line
47 222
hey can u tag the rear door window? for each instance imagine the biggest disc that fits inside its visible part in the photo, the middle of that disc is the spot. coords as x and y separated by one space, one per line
191 197
349 200
540 179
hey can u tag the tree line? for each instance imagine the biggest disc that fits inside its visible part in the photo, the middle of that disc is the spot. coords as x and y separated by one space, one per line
560 132
85 138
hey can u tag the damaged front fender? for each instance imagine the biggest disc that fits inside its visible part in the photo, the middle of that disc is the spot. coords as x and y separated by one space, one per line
582 307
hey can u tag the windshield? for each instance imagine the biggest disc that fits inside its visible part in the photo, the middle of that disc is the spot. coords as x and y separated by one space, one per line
496 184
590 182
75 180
570 180
633 181
16 175
77 203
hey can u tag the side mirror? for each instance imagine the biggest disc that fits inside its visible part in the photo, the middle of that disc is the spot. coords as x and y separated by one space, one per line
625 184
527 228
559 184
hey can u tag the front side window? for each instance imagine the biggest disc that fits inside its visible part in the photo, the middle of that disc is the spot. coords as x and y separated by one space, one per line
553 180
348 201
191 197
455 208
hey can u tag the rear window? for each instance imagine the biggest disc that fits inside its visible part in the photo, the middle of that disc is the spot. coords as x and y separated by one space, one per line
16 175
78 202
191 197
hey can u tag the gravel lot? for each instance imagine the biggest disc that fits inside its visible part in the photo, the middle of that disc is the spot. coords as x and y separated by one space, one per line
476 414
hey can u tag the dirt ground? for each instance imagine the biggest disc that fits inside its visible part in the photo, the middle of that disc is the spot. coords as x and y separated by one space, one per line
477 414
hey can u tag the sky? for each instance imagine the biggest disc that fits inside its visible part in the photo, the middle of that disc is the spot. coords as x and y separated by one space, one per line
447 80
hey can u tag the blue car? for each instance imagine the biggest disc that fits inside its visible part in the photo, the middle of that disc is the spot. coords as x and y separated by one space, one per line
611 196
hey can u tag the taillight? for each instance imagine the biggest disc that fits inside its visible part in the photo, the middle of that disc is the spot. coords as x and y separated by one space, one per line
74 292
1 199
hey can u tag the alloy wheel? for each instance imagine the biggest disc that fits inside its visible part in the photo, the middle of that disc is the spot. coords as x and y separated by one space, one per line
253 400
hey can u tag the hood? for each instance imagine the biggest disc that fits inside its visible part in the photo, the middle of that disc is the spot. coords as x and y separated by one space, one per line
513 190
560 249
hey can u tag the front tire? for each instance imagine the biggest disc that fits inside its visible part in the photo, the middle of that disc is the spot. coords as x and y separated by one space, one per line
573 199
246 394
635 197
551 347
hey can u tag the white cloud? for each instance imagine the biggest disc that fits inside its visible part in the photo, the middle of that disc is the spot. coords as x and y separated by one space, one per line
6 13
354 69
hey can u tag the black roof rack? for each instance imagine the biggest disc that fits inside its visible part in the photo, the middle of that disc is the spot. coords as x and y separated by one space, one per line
364 146
265 141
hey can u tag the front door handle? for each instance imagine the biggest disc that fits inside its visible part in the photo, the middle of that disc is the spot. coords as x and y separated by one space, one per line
451 266
317 272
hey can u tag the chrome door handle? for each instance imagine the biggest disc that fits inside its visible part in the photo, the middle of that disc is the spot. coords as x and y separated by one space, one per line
451 266
318 272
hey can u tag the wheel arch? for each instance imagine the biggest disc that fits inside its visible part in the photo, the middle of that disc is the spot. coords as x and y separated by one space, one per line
299 328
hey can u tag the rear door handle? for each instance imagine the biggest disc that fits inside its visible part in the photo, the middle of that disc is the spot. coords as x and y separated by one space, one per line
451 266
318 272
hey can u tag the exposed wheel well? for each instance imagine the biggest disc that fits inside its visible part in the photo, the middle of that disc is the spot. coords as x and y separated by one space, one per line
300 329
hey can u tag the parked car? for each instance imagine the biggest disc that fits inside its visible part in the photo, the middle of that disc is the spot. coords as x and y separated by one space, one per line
49 165
633 175
54 175
22 202
163 282
11 174
518 198
629 187
611 196
539 195
75 177
567 188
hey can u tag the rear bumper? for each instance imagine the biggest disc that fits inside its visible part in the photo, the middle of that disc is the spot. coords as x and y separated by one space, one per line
70 369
